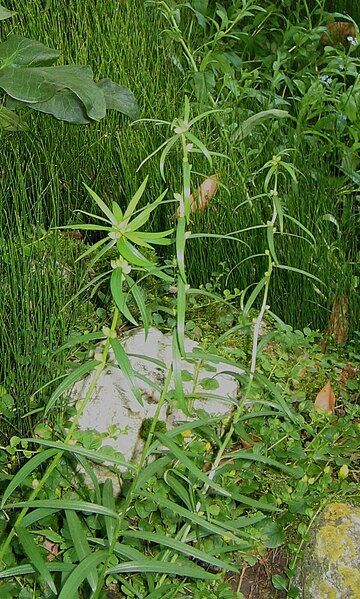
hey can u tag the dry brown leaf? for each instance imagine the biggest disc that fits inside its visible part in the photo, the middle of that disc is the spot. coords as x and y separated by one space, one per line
52 549
325 399
204 193
337 33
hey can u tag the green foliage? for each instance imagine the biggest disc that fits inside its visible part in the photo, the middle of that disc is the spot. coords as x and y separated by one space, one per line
29 79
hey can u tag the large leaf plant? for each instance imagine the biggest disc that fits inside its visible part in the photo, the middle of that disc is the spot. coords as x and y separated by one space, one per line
28 78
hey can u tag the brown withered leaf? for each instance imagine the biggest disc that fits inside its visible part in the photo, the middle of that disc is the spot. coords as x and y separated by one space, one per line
325 399
204 193
52 549
337 33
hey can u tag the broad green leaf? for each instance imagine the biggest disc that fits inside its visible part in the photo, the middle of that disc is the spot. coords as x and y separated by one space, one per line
69 381
177 568
178 546
81 544
39 84
80 573
187 463
91 454
65 504
6 14
25 471
119 98
125 366
33 553
63 105
23 52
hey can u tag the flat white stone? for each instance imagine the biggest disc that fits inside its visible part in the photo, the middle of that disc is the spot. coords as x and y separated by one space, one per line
113 403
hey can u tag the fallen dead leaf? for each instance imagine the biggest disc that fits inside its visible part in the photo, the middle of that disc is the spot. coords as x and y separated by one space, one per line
52 549
325 399
204 193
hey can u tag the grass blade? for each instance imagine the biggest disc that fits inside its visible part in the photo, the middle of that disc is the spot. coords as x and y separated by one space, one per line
25 471
179 547
125 366
32 551
69 381
81 544
176 569
80 573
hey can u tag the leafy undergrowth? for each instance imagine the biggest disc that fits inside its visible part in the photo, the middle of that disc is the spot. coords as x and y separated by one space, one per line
285 460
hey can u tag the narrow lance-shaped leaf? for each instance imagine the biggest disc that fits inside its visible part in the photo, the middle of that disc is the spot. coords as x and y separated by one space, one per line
25 471
69 381
64 504
116 286
80 573
176 569
189 464
81 544
33 553
125 365
178 546
108 501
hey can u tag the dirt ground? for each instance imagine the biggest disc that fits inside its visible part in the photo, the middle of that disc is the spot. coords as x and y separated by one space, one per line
254 582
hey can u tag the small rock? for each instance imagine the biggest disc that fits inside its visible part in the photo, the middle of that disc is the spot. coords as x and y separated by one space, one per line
113 404
331 565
